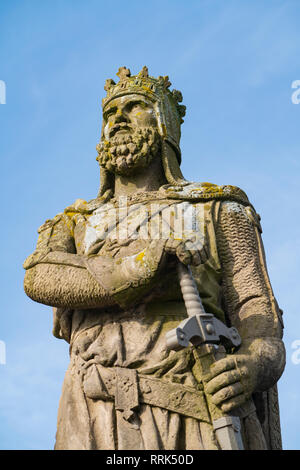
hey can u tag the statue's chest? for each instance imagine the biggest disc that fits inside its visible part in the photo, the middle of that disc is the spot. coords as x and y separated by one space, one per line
130 228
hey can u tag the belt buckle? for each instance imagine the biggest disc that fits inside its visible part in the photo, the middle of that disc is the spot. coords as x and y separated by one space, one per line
126 395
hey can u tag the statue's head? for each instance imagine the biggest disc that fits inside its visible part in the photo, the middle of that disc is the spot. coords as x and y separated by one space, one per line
141 121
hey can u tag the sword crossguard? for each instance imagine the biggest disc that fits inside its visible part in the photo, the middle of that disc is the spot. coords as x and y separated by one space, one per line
202 328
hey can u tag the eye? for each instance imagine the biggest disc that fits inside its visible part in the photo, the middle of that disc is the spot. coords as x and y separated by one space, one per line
109 112
136 107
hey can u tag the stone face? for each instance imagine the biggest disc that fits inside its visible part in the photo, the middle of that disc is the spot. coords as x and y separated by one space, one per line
108 267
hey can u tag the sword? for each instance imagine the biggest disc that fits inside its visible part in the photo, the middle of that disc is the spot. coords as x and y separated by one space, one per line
205 331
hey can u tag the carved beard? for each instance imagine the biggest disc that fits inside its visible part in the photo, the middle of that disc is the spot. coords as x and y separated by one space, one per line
128 153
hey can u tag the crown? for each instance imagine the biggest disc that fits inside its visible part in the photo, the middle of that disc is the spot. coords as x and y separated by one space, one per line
155 89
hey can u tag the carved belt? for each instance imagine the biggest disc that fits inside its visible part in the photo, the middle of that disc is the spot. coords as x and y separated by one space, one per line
128 389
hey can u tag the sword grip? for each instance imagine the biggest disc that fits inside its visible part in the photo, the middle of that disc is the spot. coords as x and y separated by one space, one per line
189 290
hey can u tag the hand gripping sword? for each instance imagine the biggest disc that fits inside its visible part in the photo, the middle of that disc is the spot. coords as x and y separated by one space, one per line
204 331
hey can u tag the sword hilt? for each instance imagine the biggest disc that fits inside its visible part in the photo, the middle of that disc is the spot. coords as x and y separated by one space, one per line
200 327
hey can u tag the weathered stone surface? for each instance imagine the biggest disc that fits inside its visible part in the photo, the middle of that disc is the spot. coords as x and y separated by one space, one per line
108 267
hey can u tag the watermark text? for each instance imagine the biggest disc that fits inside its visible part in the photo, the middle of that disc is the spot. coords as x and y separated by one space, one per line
159 221
2 92
296 354
2 353
296 95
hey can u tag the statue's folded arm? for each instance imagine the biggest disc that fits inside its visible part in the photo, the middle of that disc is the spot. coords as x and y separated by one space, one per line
247 293
57 276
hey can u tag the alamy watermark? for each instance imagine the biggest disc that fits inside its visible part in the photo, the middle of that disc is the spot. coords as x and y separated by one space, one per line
296 354
159 221
2 92
296 95
2 353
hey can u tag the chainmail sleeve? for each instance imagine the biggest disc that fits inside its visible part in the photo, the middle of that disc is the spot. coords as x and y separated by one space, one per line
248 297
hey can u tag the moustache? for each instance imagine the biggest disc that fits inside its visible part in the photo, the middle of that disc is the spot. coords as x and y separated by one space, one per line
118 127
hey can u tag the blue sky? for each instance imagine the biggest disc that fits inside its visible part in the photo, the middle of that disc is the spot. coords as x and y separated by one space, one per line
234 63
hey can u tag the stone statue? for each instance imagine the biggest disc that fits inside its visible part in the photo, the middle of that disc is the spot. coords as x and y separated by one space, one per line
108 267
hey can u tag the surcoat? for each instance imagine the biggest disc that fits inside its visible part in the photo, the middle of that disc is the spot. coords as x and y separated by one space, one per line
123 388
